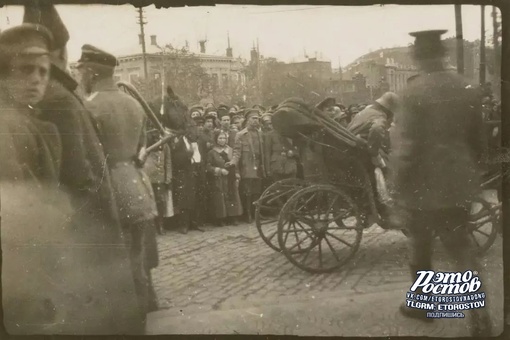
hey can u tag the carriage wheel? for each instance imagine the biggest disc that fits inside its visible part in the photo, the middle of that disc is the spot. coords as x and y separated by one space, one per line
269 205
319 229
483 224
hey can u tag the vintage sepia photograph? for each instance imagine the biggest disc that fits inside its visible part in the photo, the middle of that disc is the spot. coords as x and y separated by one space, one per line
318 170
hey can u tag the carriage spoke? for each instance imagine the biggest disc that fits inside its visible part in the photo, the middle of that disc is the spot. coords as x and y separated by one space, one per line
332 249
339 239
286 236
303 228
481 232
332 204
298 244
307 253
304 219
296 236
474 239
306 203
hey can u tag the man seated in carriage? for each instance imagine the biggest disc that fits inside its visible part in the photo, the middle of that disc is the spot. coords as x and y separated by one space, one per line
372 124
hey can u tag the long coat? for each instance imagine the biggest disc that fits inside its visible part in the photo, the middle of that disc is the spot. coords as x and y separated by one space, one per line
121 123
76 276
224 190
438 143
277 160
372 125
249 160
184 181
83 170
31 148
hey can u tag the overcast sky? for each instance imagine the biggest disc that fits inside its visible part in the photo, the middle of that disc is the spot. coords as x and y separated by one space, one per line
336 33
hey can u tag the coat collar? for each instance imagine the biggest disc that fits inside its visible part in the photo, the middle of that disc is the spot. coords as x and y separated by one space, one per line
227 149
106 84
63 78
381 108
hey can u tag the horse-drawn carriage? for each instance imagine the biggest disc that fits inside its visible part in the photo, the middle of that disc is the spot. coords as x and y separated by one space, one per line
318 223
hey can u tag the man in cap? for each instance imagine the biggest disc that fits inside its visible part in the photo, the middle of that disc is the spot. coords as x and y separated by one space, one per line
121 122
373 122
266 123
327 105
248 155
83 174
225 126
196 111
437 148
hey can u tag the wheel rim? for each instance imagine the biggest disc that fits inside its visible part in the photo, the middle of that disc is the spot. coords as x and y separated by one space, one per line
483 225
319 229
268 208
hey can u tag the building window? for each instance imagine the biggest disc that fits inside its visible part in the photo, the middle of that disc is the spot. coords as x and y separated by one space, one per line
224 79
157 75
133 77
215 78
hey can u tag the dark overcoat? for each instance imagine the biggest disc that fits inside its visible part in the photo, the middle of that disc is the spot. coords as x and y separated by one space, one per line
249 160
76 275
83 171
223 190
277 160
184 181
372 125
437 144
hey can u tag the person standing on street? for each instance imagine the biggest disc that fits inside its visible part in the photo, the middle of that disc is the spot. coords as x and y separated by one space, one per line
248 155
435 166
121 123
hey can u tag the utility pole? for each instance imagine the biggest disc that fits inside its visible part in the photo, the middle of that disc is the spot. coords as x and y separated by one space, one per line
482 47
141 22
497 59
258 73
460 39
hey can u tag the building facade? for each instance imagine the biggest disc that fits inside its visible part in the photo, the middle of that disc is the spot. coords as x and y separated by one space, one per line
226 73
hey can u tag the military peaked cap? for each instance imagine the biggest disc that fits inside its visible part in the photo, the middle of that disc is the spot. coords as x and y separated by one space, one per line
251 112
46 15
26 39
428 44
92 54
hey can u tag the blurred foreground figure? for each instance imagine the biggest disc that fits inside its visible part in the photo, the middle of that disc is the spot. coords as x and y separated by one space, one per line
435 166
62 272
121 123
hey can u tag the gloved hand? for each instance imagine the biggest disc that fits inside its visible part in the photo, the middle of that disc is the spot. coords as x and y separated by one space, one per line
224 172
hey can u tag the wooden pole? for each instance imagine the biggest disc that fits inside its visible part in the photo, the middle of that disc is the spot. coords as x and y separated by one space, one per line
460 39
497 58
141 22
482 46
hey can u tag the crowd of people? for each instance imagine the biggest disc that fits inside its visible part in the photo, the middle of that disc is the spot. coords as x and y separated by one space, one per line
94 155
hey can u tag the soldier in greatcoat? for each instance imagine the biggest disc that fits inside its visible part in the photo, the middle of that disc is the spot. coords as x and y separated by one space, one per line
121 123
435 165
248 155
73 274
280 156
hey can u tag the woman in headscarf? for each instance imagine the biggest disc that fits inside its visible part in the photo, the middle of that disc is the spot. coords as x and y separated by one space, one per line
223 181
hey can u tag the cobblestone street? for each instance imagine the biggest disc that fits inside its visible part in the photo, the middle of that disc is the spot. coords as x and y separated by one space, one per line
215 281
